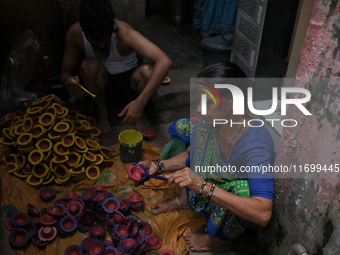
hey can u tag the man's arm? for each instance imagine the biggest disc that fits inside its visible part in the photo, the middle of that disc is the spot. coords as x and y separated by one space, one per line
72 54
150 51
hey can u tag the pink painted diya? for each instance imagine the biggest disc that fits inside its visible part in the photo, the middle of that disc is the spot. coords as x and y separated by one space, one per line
154 241
19 237
20 219
47 234
73 250
110 205
74 208
47 220
149 134
47 193
97 231
95 248
56 210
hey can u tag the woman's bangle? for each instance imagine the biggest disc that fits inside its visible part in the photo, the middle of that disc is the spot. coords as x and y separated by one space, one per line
160 165
201 189
208 185
211 191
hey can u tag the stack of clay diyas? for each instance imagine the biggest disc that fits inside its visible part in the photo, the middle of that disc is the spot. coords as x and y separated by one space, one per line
51 143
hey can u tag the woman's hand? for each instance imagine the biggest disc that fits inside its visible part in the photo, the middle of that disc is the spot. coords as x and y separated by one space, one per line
150 166
186 178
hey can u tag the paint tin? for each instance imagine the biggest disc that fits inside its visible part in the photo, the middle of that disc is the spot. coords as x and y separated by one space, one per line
130 146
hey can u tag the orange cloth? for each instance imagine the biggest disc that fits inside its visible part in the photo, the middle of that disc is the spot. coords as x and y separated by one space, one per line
169 227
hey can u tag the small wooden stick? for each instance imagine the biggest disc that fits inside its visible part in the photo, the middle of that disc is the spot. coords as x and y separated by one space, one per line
88 92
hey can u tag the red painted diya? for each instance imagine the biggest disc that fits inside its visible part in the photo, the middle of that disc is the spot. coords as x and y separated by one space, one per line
74 208
27 125
25 140
8 224
135 173
88 217
128 245
95 132
80 143
31 229
40 170
86 241
59 159
154 241
106 152
47 220
111 204
89 195
59 108
21 160
32 210
99 188
99 159
56 210
61 127
92 172
115 218
111 251
68 140
35 220
68 223
135 198
166 252
73 250
145 227
101 197
70 195
121 230
95 248
47 233
149 134
19 237
91 143
11 158
97 231
20 219
61 171
60 149
133 228
47 193
44 145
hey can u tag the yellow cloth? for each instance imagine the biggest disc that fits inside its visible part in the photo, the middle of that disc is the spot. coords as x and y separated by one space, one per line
169 227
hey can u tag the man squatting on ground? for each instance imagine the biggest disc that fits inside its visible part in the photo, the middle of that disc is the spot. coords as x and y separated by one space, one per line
107 48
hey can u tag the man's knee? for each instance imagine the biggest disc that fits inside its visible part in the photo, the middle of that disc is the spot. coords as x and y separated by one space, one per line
90 67
146 71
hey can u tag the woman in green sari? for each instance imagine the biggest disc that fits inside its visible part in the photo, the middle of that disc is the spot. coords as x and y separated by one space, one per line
229 201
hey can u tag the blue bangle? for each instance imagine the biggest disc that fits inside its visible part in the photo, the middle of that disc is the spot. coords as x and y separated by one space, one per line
201 189
211 191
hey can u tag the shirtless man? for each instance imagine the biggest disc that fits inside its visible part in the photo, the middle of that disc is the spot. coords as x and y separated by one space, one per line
106 51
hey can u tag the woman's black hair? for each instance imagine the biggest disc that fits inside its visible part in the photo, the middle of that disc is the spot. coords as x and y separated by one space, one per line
226 69
96 19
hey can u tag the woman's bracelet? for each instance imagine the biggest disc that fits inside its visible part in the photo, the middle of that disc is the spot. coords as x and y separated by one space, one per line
160 164
208 185
211 191
202 187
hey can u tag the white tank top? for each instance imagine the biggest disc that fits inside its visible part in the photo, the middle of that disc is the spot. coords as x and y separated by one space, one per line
115 63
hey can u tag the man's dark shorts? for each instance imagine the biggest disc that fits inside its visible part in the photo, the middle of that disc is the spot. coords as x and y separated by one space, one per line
118 90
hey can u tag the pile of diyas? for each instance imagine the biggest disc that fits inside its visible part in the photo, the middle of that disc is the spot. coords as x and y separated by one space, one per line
51 143
97 212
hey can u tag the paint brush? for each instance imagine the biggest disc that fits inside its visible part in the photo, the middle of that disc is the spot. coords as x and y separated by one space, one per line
88 92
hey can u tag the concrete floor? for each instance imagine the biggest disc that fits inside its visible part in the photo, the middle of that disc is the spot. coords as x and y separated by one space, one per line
183 47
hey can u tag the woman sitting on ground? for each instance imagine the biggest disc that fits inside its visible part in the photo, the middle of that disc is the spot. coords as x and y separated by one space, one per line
229 201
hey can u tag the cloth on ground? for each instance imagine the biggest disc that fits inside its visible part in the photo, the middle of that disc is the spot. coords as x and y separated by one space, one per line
169 227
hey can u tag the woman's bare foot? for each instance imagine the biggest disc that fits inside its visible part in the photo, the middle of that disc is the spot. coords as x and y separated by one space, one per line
165 205
203 242
143 124
104 126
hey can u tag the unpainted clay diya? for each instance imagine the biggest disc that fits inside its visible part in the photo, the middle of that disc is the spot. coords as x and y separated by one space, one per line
68 223
19 237
20 219
47 234
111 204
97 231
32 211
74 208
73 250
154 241
95 248
56 210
